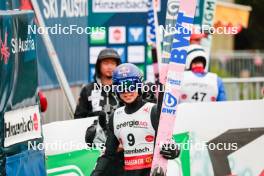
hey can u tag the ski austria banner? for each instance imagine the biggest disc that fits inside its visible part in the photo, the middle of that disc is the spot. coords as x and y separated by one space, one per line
219 139
19 109
63 19
66 24
66 150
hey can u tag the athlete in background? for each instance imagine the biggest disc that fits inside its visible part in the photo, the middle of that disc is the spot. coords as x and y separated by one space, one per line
199 85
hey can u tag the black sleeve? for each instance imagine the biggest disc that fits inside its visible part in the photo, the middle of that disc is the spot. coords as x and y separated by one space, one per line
155 112
110 154
83 108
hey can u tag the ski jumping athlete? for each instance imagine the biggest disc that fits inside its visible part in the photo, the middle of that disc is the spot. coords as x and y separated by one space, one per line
199 85
133 126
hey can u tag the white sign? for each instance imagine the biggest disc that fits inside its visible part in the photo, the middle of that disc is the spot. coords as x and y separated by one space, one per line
94 52
225 138
121 6
22 125
66 136
136 54
117 34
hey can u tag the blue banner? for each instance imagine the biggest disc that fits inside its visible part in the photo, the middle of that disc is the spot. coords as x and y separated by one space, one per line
71 45
26 163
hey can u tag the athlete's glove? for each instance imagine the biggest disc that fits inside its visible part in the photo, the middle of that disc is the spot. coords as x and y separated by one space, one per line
170 151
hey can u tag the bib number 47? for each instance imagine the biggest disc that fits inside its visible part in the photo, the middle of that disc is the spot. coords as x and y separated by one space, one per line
199 96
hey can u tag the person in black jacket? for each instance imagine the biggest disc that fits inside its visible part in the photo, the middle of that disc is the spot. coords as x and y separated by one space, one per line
92 98
133 127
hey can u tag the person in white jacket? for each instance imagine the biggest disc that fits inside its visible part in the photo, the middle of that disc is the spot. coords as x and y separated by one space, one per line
199 85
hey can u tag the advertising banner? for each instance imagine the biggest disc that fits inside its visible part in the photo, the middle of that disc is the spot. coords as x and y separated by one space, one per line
66 150
20 120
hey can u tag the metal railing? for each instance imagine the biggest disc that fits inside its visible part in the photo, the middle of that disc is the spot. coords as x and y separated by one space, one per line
242 73
238 64
244 88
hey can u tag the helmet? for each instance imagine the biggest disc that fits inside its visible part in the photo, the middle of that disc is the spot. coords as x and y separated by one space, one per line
126 75
106 54
195 52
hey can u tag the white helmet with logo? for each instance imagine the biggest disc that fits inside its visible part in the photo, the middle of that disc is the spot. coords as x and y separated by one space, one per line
195 51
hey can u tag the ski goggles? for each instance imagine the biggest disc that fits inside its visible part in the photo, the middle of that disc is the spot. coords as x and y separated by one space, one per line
127 85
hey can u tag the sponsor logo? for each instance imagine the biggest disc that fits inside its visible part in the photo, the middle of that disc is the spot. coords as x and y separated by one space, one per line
94 52
174 82
65 8
209 12
178 51
23 126
136 34
19 45
138 162
117 35
149 138
170 103
122 6
133 123
136 54
122 53
170 100
123 71
146 109
5 52
98 37
135 151
174 78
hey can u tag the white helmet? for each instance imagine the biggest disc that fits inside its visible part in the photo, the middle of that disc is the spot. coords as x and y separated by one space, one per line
194 51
